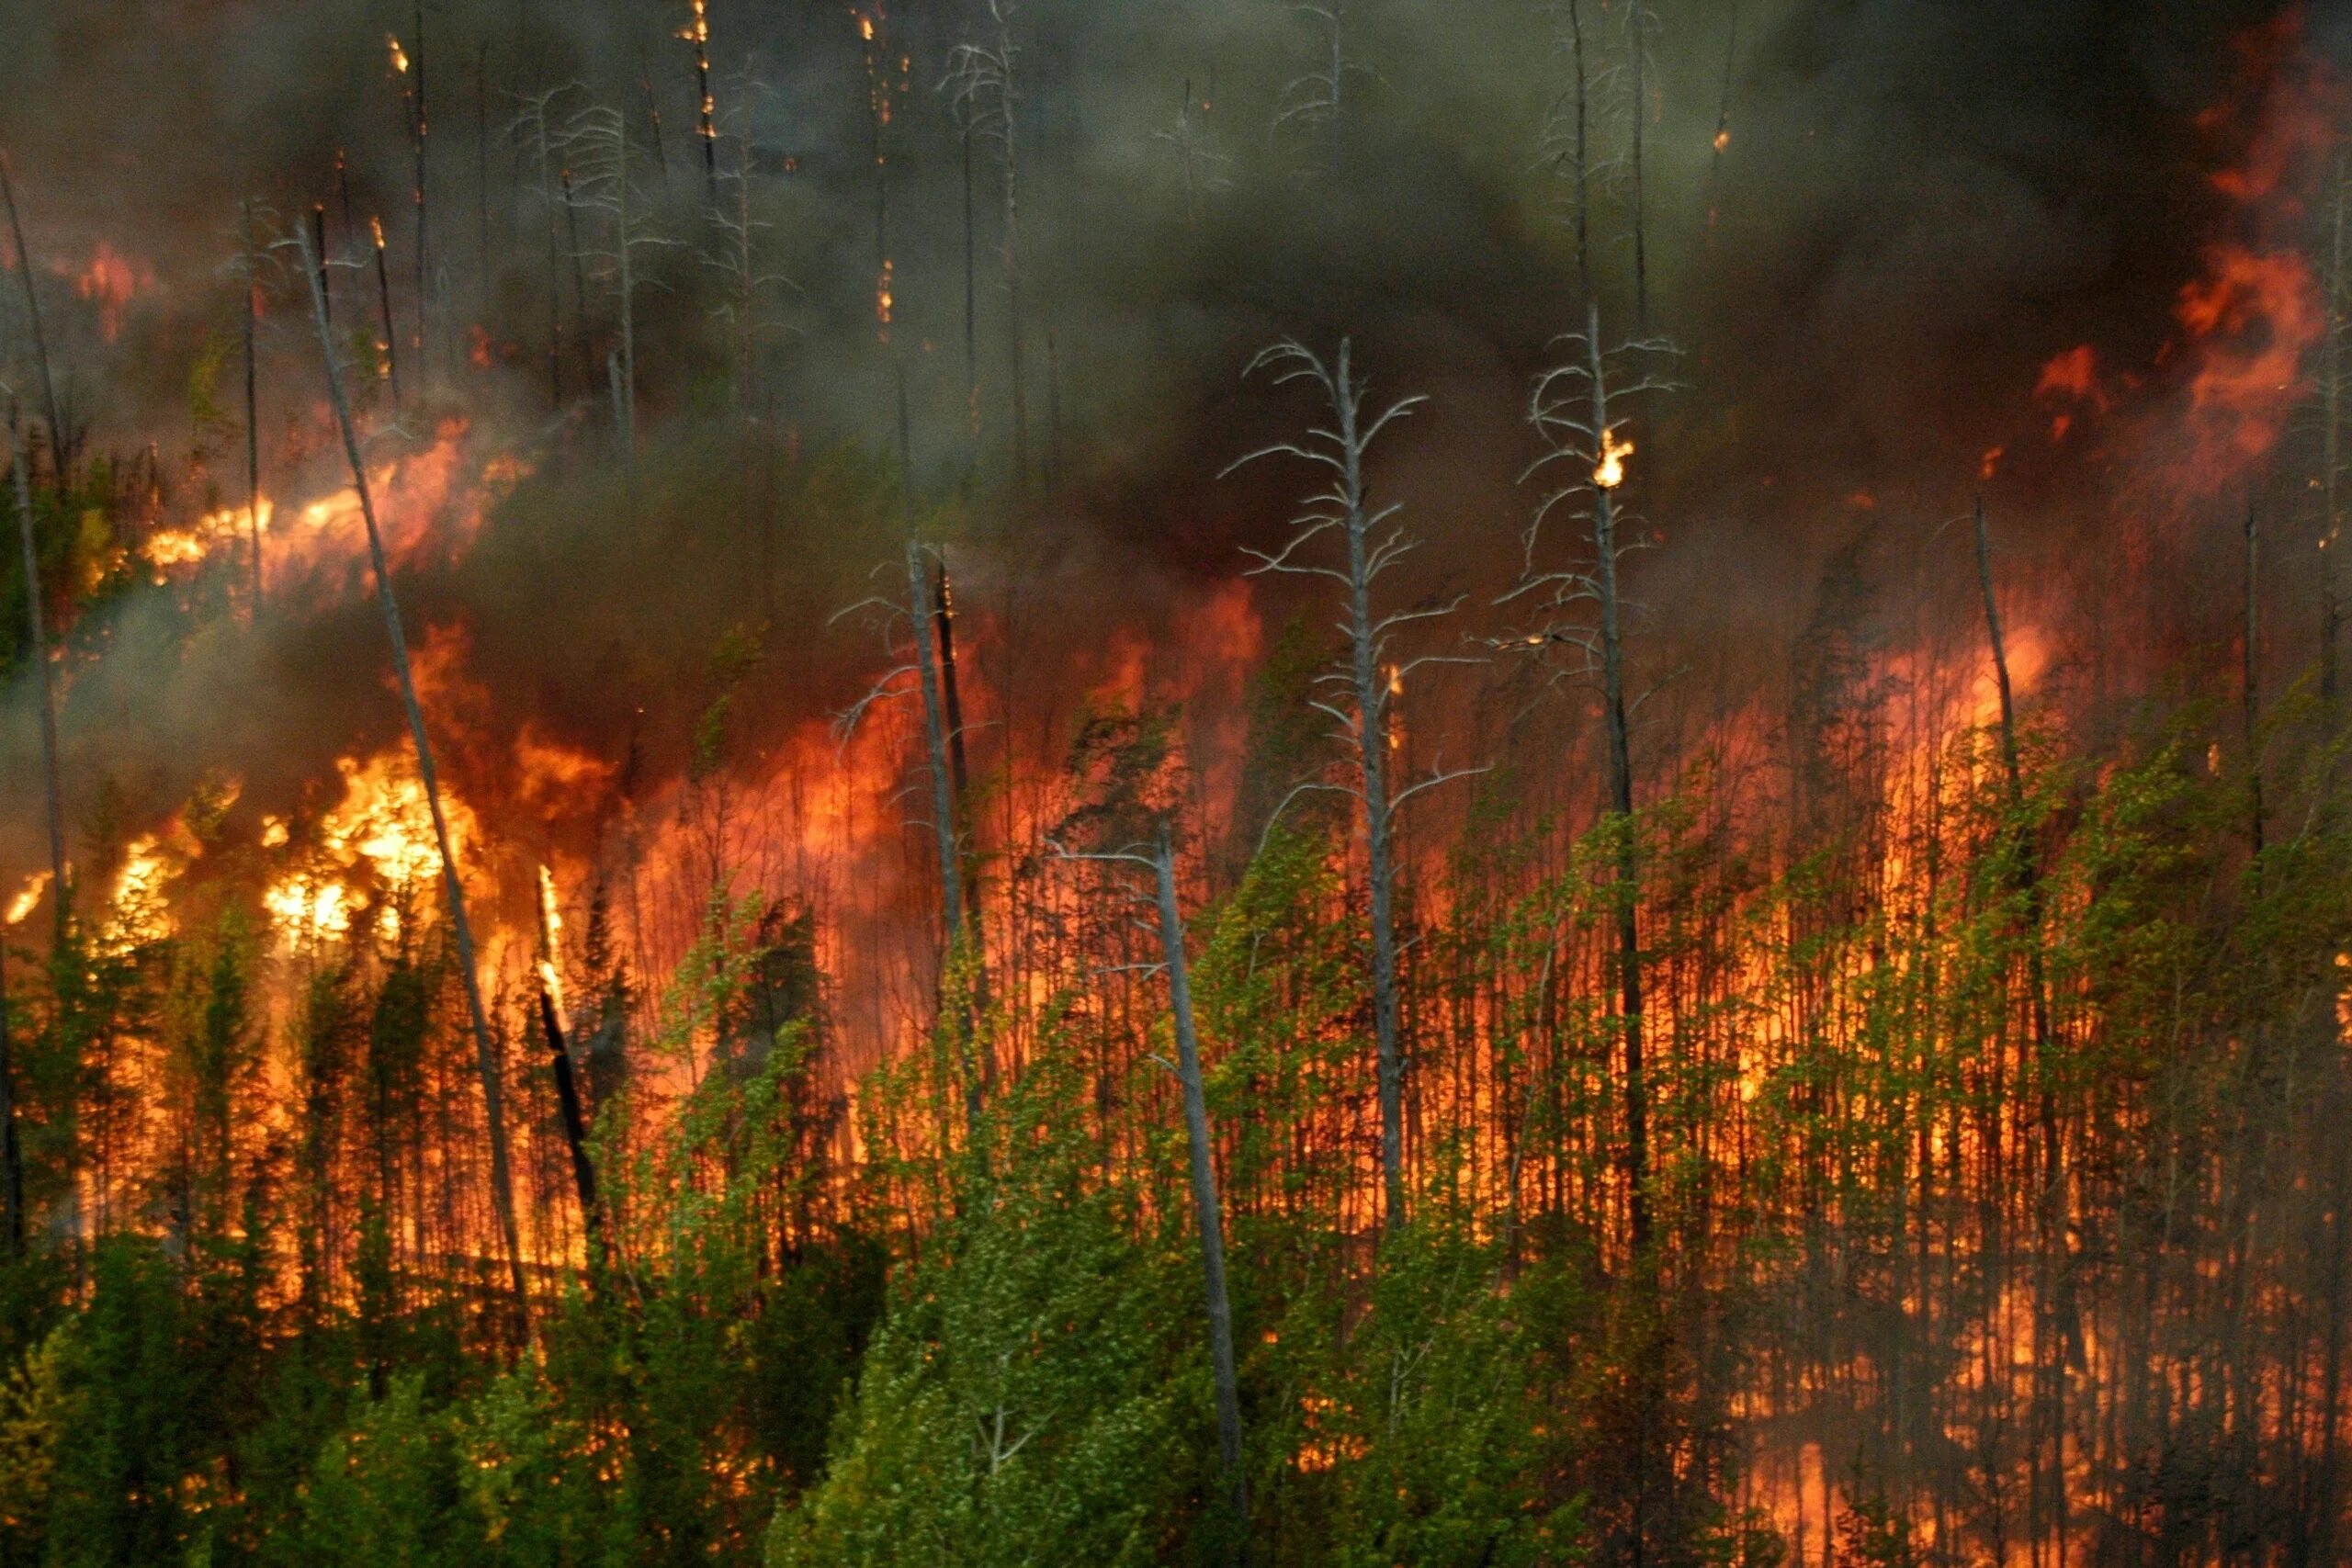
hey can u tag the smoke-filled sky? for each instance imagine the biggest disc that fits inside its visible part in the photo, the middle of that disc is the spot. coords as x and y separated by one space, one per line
1919 205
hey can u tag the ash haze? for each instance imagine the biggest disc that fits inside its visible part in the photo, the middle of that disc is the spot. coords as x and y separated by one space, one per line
1000 963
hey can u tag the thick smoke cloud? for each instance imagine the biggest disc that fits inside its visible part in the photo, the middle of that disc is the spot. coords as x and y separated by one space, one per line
1917 205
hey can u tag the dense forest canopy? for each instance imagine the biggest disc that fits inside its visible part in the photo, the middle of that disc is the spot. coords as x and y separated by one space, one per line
1028 781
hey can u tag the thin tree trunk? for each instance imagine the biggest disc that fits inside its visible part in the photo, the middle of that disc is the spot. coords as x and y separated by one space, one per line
942 799
493 1104
319 244
972 303
2331 580
1620 792
57 439
12 1158
423 215
2253 695
252 408
1206 1216
59 889
1640 50
575 1133
1372 750
1583 207
384 298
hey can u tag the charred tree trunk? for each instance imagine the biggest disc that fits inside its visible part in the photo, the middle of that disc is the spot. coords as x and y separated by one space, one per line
575 1131
1206 1216
384 298
486 1059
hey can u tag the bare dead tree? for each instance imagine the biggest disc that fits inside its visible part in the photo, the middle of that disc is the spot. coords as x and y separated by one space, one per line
1368 680
737 257
1315 101
502 1183
534 134
1578 410
1157 858
597 146
983 83
58 442
60 890
1641 22
1566 143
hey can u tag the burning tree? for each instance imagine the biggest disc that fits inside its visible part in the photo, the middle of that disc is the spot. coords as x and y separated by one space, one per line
1579 410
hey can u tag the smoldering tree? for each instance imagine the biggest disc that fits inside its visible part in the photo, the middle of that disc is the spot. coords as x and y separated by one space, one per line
983 85
1362 688
1578 410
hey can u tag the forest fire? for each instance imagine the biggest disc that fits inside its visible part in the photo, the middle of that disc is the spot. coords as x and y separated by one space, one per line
984 818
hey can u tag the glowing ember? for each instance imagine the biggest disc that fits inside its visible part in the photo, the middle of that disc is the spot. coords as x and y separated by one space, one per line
399 55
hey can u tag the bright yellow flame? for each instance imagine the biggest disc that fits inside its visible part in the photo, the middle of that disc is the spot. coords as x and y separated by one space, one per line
377 226
185 547
1611 473
1722 140
399 56
866 28
137 906
28 898
274 833
551 946
384 823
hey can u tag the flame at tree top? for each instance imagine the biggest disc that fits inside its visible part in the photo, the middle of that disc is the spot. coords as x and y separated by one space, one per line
1610 472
